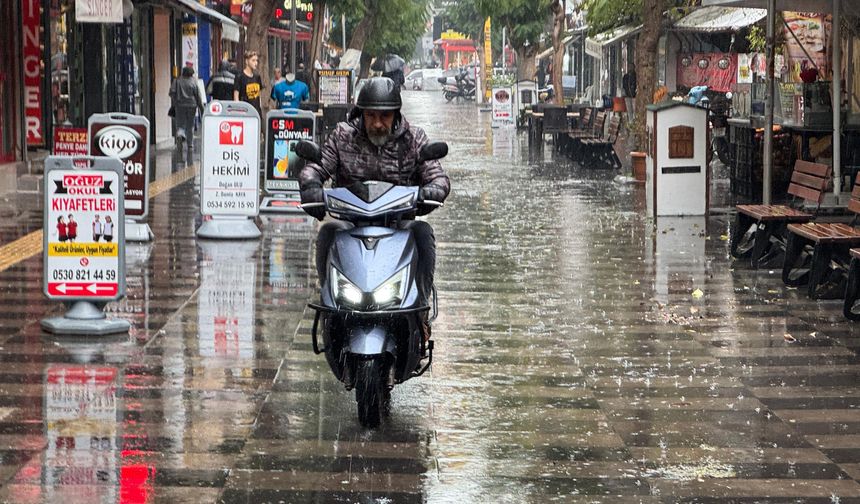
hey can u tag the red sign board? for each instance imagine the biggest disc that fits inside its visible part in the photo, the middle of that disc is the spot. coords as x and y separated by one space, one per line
32 40
70 141
83 289
230 133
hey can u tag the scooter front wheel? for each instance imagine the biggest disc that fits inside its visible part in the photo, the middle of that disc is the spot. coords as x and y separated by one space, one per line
371 391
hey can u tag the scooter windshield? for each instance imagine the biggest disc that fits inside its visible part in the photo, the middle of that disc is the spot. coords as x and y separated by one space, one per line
370 200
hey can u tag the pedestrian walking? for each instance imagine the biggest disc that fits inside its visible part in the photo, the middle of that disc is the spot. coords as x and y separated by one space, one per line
98 229
62 229
186 102
108 229
72 228
248 85
220 86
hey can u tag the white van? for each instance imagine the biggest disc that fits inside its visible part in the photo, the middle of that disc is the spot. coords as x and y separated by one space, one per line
424 78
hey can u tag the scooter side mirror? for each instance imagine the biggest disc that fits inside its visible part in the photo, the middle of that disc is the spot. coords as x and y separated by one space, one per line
309 151
433 150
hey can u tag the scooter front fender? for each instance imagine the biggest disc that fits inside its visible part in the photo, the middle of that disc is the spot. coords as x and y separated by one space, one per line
370 340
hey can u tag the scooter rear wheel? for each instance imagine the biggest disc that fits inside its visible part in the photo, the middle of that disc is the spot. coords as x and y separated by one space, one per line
371 392
449 96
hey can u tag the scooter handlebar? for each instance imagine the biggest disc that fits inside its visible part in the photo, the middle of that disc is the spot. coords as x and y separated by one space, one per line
312 205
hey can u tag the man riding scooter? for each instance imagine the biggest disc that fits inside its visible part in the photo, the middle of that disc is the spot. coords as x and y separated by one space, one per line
377 143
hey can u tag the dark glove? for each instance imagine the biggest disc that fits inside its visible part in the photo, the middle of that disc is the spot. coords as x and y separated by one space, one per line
429 193
432 193
314 194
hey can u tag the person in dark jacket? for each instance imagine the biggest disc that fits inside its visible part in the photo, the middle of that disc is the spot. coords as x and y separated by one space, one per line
377 143
186 102
220 86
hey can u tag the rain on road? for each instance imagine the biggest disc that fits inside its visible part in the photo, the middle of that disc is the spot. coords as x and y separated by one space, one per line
584 353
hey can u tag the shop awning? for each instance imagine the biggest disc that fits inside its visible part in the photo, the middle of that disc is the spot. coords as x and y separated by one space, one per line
564 43
715 19
594 45
301 35
229 28
824 6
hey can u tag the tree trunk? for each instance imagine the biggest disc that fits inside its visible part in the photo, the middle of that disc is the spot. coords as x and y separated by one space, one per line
364 68
526 64
646 66
364 27
558 19
258 28
319 7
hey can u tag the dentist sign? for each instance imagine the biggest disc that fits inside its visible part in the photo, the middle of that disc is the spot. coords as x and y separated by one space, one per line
230 160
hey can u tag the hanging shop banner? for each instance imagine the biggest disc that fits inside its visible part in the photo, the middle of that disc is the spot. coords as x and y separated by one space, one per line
189 44
84 230
70 141
125 137
718 71
335 86
503 106
285 129
811 31
488 55
230 159
125 81
98 11
32 54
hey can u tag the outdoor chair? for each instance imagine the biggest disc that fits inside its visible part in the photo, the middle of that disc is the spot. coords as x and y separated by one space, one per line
816 253
760 231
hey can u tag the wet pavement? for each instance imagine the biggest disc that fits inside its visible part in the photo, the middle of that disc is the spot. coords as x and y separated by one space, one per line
575 361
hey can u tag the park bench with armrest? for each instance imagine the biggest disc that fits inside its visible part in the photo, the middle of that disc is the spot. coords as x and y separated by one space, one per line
760 231
830 243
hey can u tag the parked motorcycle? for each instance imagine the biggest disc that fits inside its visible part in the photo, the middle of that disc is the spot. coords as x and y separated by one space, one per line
461 87
370 309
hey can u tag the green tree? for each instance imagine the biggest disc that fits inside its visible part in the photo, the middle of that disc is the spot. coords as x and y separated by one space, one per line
604 15
376 34
526 21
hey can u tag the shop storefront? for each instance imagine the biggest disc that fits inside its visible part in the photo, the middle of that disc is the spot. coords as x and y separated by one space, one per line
456 50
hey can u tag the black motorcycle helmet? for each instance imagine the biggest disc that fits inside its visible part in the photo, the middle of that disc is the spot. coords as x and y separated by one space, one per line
379 93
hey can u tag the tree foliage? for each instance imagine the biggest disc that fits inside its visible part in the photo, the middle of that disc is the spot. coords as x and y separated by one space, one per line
526 21
395 27
604 15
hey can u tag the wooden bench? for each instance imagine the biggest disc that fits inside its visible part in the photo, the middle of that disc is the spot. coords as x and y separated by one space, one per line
595 130
830 243
760 231
600 152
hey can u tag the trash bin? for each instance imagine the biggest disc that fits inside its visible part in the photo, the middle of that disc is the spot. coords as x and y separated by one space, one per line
677 175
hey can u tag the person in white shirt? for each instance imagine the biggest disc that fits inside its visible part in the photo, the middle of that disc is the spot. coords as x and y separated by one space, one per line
108 229
98 229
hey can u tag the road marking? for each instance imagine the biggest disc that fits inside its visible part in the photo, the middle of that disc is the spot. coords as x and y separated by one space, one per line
31 244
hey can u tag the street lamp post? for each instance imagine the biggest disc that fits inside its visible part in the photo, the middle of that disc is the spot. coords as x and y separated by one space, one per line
293 37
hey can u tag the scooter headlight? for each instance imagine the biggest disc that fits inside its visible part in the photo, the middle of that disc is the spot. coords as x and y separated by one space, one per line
344 291
391 291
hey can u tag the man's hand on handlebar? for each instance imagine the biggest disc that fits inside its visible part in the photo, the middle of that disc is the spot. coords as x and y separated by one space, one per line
313 196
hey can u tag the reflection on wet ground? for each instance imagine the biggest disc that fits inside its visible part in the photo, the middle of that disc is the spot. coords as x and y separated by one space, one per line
575 362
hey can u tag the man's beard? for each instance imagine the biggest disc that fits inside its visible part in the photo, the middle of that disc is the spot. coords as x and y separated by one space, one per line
378 140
